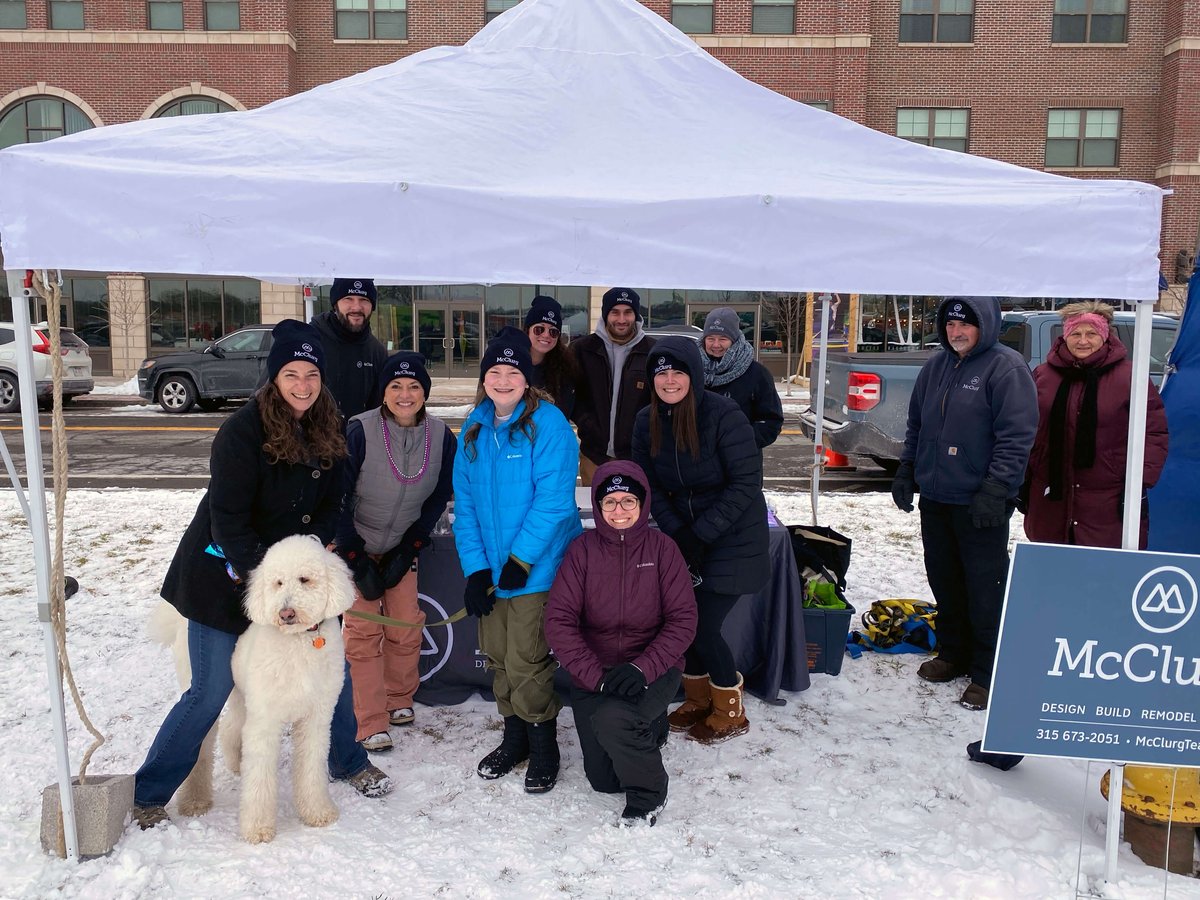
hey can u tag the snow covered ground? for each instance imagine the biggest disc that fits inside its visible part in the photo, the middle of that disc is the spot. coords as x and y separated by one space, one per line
858 787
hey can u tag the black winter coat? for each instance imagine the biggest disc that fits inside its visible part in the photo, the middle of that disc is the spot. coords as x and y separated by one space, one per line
353 362
719 491
249 505
754 393
593 398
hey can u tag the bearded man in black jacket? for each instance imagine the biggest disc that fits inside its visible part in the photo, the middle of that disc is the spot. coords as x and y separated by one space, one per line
354 356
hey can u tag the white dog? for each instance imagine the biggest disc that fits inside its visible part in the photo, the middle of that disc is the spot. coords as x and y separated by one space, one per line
287 669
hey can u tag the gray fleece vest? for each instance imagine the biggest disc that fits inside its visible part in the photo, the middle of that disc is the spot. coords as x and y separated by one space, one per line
384 506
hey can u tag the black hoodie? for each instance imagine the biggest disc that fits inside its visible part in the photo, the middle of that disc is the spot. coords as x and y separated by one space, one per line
353 361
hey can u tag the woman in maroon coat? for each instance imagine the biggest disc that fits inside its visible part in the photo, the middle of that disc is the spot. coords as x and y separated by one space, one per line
1075 482
620 615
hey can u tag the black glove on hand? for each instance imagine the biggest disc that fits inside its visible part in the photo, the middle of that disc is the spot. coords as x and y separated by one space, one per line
690 546
514 575
480 597
398 561
903 487
1023 498
625 680
364 571
989 506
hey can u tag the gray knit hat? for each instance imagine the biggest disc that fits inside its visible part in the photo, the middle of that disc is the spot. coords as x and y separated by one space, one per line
723 322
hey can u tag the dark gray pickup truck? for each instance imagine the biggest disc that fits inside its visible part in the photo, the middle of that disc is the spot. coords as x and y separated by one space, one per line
866 394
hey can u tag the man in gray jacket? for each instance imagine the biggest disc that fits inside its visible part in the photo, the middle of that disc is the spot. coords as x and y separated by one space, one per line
971 423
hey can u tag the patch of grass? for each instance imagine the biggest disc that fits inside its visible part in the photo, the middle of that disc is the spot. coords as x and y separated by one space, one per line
143 542
81 560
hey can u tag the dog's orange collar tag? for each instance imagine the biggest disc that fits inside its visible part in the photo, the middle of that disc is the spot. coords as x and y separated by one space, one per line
318 642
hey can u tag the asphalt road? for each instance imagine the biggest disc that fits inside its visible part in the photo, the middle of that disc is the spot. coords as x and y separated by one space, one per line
113 443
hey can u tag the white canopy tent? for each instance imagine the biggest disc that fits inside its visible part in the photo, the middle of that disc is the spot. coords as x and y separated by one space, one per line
570 142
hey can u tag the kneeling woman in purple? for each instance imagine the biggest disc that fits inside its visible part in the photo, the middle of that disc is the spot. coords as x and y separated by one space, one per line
621 614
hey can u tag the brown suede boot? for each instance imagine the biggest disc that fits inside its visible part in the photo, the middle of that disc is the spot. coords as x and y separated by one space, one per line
697 703
728 718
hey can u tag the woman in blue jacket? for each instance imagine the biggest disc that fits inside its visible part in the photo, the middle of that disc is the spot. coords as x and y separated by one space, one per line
514 514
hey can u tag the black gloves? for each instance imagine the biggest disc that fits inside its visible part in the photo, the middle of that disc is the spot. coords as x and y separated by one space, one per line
480 597
1023 498
364 571
690 546
514 574
989 506
903 487
398 561
625 680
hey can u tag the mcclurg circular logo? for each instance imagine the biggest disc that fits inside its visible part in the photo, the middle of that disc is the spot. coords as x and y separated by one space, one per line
307 348
616 479
436 641
958 307
1165 599
358 285
508 351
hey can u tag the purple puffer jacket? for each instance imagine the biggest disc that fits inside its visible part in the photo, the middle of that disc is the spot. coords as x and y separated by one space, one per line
621 596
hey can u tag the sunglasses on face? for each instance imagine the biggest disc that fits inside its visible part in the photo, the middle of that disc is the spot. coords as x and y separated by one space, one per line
608 504
539 330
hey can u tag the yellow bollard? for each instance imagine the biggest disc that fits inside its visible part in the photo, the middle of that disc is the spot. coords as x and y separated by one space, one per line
1152 797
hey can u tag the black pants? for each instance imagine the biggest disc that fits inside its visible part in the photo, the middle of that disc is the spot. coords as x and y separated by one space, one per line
709 654
966 567
620 743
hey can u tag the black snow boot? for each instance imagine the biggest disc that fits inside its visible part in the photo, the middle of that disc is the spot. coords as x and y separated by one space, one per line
513 749
542 773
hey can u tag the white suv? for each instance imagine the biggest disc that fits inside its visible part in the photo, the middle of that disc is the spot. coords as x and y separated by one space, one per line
77 366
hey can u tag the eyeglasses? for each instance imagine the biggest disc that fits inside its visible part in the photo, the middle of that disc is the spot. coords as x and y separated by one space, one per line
608 504
539 330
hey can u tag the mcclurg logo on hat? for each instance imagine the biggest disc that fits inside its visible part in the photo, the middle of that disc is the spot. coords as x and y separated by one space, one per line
663 364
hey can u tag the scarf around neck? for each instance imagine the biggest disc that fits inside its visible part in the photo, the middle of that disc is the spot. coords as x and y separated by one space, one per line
1089 371
731 366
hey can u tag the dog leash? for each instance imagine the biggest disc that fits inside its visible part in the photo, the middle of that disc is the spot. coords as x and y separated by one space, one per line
384 620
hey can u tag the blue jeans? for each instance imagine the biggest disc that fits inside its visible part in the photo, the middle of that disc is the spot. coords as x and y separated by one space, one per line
177 745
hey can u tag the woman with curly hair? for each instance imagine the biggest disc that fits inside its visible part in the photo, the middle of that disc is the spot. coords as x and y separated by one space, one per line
514 514
554 368
275 470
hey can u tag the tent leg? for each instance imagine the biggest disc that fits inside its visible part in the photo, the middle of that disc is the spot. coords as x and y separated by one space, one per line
38 529
818 404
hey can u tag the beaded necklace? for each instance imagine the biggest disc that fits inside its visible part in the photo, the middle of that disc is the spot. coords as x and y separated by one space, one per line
387 446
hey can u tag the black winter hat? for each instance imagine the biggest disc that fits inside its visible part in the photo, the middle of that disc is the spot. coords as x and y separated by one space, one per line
618 295
510 347
405 364
545 311
961 310
352 287
616 483
661 360
292 340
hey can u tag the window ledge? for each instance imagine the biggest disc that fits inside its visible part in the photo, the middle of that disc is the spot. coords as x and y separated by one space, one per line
371 41
1090 45
1070 169
800 41
927 44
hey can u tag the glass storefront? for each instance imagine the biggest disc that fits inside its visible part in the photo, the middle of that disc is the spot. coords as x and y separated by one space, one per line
191 313
889 322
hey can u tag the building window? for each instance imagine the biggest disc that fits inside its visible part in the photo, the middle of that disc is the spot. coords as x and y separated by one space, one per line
194 312
1089 21
695 17
164 15
193 106
819 104
381 20
12 13
66 14
41 119
1083 138
495 7
773 17
945 128
940 21
222 15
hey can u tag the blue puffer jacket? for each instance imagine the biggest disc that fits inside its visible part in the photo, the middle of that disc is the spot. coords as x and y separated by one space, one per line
516 496
971 419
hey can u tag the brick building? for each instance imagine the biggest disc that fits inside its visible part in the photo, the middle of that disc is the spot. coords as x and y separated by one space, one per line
1088 88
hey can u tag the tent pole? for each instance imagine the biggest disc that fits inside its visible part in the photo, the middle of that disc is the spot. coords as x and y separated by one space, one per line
819 405
36 482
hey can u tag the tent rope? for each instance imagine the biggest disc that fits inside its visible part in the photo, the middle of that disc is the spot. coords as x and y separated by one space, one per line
51 294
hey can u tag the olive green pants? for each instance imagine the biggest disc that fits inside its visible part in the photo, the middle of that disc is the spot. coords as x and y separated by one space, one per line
514 640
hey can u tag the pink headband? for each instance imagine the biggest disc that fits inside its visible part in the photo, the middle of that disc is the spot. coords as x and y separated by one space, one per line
1096 320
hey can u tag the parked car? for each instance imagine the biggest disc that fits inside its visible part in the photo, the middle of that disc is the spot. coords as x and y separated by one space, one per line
867 394
229 369
77 366
690 331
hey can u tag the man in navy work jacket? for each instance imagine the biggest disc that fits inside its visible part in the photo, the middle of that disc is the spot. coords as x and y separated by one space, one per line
971 423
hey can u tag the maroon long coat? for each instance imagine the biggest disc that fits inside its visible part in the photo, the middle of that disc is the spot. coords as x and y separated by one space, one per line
1089 513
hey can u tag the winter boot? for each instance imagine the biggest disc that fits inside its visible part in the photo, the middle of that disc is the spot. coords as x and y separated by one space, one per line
697 703
542 773
513 749
728 718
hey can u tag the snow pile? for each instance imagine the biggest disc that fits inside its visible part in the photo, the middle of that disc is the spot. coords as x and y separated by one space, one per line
858 787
